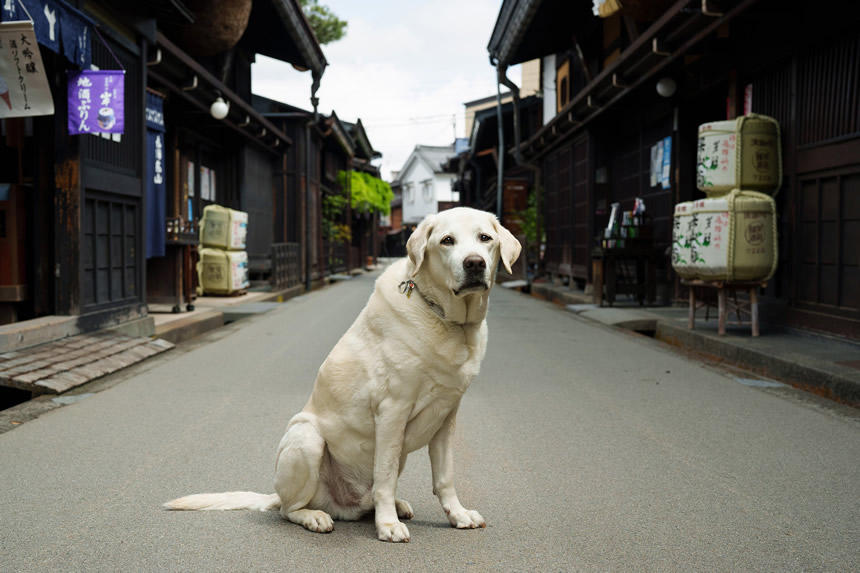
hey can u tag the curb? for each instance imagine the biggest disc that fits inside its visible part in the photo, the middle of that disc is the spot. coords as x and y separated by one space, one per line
797 372
190 327
831 380
184 329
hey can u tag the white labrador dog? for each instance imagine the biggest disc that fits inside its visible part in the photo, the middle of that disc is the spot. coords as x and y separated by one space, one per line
390 386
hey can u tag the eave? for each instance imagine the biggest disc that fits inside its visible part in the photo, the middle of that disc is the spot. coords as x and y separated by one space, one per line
300 48
336 129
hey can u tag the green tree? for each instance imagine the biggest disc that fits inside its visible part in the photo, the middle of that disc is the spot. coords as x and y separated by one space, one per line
325 23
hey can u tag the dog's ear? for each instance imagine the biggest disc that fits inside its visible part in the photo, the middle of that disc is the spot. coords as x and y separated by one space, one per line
510 246
416 246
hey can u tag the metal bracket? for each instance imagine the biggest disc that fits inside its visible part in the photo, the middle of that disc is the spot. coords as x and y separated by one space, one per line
572 120
157 59
657 48
193 85
708 12
590 103
617 83
245 123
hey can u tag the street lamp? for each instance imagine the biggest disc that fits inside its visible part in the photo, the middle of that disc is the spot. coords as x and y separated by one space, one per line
666 87
219 108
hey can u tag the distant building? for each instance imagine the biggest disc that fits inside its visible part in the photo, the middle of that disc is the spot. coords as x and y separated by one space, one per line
425 184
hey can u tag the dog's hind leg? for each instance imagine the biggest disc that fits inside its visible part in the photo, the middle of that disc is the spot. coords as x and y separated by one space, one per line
297 474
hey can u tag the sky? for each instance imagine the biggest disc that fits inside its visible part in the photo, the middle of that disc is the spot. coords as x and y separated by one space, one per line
404 68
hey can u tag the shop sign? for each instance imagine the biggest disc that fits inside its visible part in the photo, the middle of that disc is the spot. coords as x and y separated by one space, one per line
156 195
59 27
96 101
667 163
24 89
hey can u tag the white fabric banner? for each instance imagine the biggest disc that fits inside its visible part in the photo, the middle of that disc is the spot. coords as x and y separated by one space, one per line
24 89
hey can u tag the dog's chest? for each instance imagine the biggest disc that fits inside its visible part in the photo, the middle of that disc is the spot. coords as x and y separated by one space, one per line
455 357
429 411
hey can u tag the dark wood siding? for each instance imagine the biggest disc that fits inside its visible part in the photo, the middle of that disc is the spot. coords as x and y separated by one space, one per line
257 201
559 211
581 214
111 268
814 96
829 234
109 250
828 86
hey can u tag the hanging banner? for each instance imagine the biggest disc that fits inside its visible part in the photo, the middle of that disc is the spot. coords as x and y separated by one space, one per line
58 26
46 19
96 101
10 11
75 35
667 163
24 89
156 197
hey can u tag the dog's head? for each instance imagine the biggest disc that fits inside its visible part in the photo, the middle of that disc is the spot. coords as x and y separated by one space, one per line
460 248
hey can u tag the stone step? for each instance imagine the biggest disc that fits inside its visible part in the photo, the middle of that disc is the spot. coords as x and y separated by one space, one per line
55 367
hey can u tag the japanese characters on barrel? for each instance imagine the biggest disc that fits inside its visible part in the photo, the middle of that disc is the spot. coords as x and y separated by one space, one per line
731 235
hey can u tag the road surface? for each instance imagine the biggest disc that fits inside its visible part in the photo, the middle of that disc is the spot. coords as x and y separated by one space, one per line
584 448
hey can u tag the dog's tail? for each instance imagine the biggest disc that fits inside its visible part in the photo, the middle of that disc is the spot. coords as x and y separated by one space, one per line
226 500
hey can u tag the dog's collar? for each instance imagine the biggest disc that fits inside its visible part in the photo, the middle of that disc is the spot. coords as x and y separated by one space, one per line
407 286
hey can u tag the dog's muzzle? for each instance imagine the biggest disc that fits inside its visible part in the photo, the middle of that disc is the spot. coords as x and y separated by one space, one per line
475 268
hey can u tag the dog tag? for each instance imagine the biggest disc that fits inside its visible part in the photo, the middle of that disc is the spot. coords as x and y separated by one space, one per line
406 287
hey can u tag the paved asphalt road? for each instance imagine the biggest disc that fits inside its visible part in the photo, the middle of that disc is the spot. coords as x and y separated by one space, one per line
584 448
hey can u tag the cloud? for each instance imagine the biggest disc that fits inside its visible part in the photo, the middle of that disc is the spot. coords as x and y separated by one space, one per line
404 68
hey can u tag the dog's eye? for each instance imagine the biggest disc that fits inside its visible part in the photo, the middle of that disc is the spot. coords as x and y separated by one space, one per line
449 240
484 238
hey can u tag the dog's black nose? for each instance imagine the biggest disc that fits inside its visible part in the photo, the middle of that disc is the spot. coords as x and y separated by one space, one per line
474 263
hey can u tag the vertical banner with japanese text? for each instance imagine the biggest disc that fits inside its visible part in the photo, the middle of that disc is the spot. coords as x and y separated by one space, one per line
97 101
156 199
24 89
666 171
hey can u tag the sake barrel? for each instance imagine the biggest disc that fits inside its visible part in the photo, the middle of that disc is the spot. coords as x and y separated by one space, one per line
742 153
222 272
238 229
683 229
735 237
223 228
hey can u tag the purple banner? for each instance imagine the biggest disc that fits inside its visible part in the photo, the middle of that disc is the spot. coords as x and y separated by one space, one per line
96 101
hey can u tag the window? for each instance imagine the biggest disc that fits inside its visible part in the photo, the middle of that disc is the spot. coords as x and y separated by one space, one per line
427 190
408 192
562 82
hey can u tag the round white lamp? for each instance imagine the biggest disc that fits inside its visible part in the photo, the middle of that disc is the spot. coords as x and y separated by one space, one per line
219 108
666 87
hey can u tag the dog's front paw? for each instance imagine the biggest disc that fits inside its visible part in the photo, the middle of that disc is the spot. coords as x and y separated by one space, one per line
466 519
395 532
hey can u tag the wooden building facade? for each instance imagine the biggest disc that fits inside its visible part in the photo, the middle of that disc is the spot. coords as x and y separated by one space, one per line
721 60
313 202
97 242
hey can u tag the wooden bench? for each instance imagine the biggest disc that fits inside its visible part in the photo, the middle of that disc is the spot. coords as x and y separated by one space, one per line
724 304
